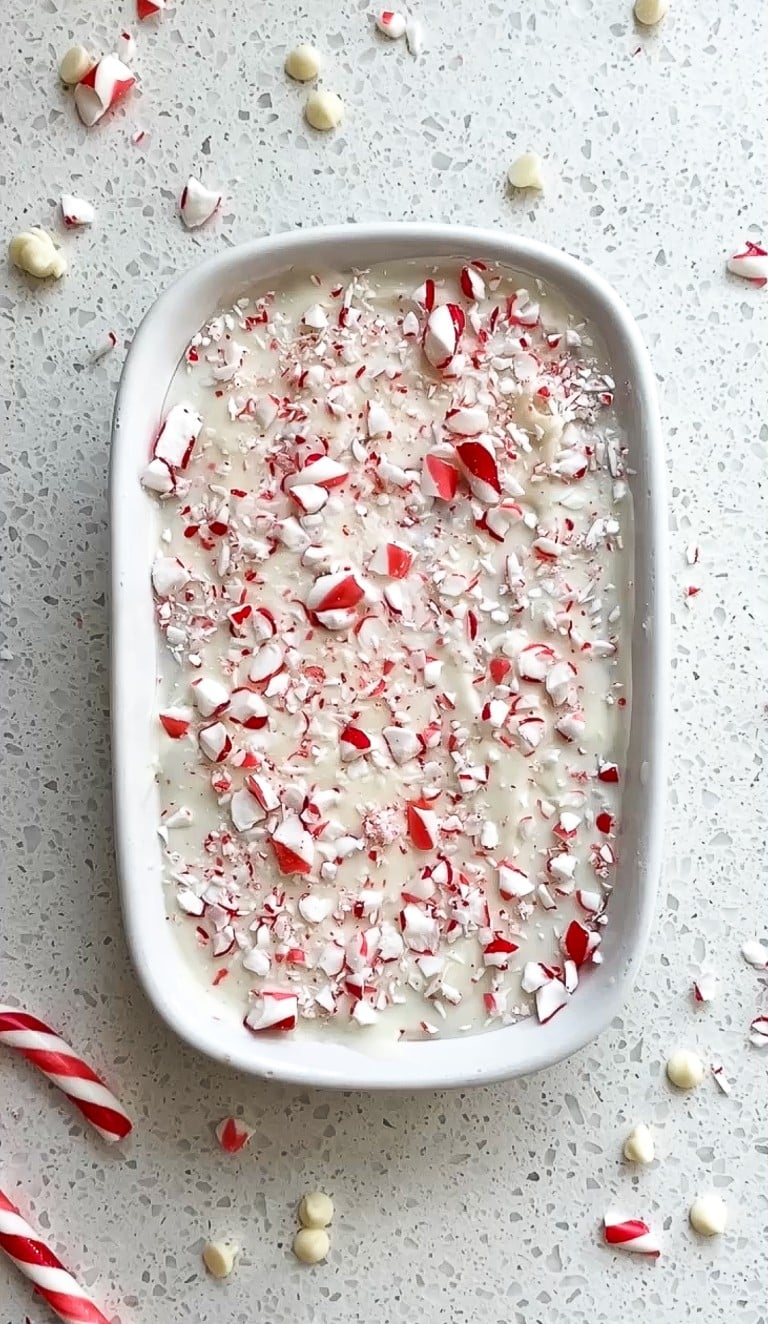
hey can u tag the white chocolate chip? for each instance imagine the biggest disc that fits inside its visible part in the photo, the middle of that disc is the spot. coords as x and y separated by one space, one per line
303 63
685 1069
34 251
526 172
219 1258
709 1215
649 12
75 65
316 1210
639 1146
311 1245
324 110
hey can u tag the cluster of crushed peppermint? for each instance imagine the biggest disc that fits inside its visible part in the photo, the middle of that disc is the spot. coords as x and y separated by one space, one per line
390 580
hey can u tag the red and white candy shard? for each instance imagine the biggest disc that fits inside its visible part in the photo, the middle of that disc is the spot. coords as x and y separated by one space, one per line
392 560
442 334
176 439
751 263
101 88
197 203
758 1032
478 460
472 284
439 477
232 1134
550 999
76 211
293 846
630 1234
423 828
392 24
353 743
176 721
149 8
334 598
273 1009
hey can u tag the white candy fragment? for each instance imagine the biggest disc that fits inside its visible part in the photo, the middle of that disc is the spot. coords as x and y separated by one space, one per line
392 24
303 63
685 1069
126 47
34 251
75 64
219 1258
756 954
639 1146
197 203
316 1210
323 110
649 12
526 172
311 1245
76 211
709 1215
414 36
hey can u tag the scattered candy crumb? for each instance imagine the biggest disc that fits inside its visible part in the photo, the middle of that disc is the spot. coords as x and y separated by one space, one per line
34 252
526 172
233 1134
639 1146
104 346
197 203
720 1078
751 263
685 1069
705 986
709 1215
303 63
76 211
756 954
219 1258
311 1245
316 1210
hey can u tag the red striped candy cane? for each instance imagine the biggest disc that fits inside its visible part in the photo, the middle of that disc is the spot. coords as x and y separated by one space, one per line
38 1043
39 1264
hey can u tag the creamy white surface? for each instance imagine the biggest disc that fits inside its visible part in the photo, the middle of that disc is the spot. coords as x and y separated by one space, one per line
499 763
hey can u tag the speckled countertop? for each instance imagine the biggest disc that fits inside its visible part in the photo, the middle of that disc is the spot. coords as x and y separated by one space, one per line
456 1207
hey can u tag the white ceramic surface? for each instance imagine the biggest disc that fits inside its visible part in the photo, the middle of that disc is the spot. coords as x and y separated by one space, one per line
192 1009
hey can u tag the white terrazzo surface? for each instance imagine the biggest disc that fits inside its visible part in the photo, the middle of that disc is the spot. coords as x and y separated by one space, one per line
460 1207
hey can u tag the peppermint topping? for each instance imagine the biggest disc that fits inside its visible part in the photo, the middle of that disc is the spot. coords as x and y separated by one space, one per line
390 738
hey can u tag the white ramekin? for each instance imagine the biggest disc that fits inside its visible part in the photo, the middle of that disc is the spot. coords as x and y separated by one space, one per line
192 1010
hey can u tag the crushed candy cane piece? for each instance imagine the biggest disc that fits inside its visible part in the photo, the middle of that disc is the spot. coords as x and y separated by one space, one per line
755 954
293 846
149 8
197 203
414 35
101 89
273 1009
76 211
442 334
391 24
705 987
720 1078
751 264
758 1032
630 1234
232 1134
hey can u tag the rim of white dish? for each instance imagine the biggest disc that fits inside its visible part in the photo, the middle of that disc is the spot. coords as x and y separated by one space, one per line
431 242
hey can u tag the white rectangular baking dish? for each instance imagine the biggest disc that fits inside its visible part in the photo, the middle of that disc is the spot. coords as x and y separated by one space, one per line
184 1003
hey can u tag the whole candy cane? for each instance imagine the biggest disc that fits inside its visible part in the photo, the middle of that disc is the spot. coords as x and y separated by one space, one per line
37 1042
41 1267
